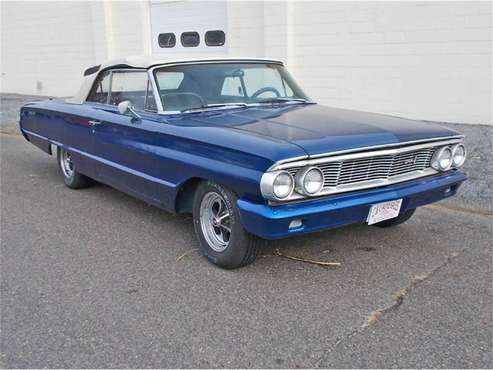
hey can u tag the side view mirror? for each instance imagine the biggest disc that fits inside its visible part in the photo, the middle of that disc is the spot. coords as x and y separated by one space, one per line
126 108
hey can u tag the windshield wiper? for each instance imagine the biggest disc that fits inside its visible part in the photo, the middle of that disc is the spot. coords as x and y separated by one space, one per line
285 100
214 106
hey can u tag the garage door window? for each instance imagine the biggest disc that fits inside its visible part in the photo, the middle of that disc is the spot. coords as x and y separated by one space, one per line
215 38
167 40
190 39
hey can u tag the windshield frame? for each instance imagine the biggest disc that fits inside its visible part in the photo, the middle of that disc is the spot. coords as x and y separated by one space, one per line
155 86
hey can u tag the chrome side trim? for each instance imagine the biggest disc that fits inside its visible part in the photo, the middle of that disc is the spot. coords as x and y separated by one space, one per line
376 150
104 161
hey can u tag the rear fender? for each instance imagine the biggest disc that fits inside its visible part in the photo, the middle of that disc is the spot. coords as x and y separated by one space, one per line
42 144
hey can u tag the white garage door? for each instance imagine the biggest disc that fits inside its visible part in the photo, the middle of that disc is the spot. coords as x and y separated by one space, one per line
184 27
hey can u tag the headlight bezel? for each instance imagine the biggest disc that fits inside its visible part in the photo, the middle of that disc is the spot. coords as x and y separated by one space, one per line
300 181
267 185
454 150
437 157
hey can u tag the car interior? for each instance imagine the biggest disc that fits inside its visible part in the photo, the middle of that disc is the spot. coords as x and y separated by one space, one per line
195 87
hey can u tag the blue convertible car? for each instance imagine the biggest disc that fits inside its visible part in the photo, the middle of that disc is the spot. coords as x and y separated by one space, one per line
238 144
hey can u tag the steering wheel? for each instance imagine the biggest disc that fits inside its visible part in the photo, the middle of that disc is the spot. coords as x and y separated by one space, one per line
264 90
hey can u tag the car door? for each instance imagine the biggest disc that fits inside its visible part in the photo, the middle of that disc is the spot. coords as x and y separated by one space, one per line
75 125
124 144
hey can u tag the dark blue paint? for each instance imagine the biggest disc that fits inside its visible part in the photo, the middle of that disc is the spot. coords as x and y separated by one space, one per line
319 129
325 213
154 157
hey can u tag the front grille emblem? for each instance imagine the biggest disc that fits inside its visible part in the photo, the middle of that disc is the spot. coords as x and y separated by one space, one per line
411 160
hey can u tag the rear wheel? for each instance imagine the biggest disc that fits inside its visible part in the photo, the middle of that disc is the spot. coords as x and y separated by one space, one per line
217 224
71 177
397 220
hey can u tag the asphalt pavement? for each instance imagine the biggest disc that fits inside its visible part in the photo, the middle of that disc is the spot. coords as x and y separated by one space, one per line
94 278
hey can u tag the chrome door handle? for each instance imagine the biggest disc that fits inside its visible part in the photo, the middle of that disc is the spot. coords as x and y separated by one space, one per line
94 123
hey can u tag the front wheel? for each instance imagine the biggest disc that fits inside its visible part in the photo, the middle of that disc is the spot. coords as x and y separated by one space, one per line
397 220
217 224
71 177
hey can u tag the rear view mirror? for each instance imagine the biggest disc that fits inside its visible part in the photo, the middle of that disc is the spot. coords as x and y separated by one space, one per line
235 73
126 108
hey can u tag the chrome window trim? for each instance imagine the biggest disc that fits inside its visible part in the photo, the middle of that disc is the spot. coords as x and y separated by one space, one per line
155 91
216 61
110 72
363 152
220 61
96 80
110 86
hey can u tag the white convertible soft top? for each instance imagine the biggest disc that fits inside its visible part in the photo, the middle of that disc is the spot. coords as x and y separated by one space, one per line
145 62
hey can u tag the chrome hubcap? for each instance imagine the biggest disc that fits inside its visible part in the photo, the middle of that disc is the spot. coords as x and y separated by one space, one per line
66 164
215 221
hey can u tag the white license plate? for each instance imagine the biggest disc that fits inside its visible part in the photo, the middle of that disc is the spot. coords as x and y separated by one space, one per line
384 211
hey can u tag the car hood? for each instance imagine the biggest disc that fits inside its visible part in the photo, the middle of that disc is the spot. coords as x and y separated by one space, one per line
318 129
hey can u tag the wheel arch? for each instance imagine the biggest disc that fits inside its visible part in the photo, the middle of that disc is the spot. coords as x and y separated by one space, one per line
185 195
186 192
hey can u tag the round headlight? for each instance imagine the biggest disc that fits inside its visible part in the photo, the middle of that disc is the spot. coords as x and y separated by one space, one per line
283 185
458 155
442 159
309 181
445 160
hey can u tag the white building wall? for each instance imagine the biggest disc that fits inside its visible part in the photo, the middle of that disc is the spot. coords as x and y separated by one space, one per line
127 28
45 46
278 38
429 60
423 60
245 35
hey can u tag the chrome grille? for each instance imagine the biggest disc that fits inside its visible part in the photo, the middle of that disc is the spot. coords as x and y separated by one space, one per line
378 167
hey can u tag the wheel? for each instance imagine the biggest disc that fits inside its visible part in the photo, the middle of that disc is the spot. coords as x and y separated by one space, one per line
397 220
71 177
217 224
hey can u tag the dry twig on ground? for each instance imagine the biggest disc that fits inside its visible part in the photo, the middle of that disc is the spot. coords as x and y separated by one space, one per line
306 260
186 254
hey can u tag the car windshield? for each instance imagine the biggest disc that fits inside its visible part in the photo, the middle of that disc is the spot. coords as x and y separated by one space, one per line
195 87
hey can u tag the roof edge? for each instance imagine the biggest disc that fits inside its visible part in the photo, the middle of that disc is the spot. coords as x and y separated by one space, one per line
152 61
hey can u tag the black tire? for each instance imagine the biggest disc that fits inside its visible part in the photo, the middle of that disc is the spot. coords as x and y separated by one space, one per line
242 247
72 178
397 220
